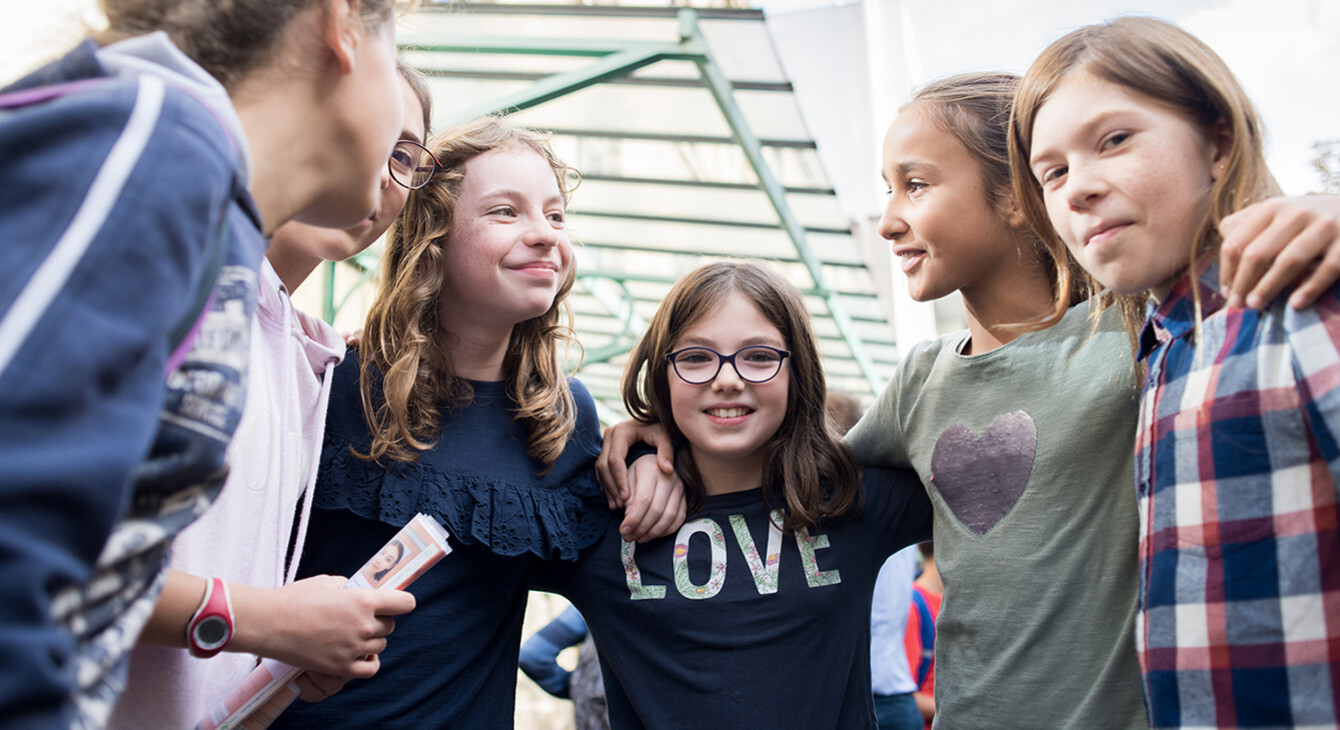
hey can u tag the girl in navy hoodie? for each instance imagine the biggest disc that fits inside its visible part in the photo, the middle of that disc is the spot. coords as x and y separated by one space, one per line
141 174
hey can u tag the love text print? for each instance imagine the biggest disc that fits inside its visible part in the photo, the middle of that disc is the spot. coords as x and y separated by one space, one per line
764 571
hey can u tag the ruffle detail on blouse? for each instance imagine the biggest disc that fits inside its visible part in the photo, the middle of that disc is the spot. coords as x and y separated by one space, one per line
508 519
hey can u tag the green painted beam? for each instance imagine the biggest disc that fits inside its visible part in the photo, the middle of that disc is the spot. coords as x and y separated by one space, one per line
725 222
795 144
705 184
562 84
328 308
623 276
565 47
668 251
666 82
620 302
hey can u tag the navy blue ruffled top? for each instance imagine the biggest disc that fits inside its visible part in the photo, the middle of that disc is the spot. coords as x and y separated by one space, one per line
452 661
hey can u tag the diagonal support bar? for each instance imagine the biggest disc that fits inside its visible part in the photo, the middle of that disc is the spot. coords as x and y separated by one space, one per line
561 84
724 95
516 46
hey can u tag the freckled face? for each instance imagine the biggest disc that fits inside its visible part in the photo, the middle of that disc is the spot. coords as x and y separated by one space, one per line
508 252
1125 180
730 419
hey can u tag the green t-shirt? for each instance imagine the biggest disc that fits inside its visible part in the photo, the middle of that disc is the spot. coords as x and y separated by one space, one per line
1026 452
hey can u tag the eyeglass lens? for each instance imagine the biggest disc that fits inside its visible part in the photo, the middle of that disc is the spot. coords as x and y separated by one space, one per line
412 165
698 365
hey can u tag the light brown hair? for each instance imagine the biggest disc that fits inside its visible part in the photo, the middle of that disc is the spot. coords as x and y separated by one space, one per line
404 353
806 467
1172 68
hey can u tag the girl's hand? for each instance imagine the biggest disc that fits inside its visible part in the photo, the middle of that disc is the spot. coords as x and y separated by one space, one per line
1279 242
351 338
612 472
317 625
657 505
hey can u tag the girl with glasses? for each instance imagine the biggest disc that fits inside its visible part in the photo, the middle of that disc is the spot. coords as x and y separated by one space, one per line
757 612
143 173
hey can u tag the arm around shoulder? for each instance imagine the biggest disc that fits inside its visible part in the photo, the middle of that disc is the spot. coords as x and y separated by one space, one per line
1279 244
898 507
878 439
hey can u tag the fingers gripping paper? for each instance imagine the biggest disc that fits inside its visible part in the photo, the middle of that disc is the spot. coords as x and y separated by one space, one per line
270 688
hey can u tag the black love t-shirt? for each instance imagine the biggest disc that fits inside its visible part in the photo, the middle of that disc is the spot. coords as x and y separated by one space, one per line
732 622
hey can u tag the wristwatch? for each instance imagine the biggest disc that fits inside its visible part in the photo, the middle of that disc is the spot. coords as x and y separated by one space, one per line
211 628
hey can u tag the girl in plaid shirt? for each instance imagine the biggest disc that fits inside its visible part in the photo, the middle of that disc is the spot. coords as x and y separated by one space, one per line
1134 149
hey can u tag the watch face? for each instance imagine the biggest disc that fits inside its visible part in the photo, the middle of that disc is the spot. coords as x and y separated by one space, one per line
211 632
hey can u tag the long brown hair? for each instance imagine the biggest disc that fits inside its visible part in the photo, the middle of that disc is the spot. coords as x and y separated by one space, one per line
402 348
1169 66
806 466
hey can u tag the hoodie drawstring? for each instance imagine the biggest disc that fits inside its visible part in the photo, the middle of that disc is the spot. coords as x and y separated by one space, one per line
310 491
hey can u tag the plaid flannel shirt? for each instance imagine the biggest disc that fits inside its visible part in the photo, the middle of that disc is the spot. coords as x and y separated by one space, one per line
1236 470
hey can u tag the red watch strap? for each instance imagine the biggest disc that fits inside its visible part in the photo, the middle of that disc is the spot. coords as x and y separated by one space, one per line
211 628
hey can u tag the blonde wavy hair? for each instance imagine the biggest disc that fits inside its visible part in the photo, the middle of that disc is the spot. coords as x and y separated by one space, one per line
404 352
1167 65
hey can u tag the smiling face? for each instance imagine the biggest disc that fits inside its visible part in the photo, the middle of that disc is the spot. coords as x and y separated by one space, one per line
938 217
1125 182
508 252
729 420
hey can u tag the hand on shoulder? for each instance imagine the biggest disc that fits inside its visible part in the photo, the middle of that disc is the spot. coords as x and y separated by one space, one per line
1278 243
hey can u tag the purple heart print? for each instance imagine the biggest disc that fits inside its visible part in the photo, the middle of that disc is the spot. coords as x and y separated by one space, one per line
981 478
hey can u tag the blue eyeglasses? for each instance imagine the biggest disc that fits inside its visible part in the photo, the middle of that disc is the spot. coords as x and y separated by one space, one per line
754 364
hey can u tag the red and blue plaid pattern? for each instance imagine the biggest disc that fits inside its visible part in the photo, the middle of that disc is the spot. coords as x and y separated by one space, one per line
1236 468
